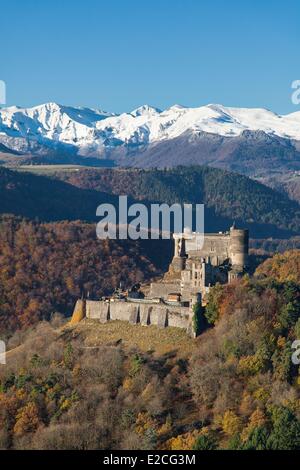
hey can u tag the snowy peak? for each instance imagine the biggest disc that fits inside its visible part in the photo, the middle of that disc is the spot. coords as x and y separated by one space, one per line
145 110
93 131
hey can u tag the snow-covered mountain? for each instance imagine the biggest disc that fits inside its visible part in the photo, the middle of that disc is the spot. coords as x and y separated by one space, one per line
147 132
91 131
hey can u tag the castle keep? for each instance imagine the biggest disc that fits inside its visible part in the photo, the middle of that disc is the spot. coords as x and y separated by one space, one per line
197 265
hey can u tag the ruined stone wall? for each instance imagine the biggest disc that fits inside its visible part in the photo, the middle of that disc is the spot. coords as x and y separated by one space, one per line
219 247
216 246
97 310
139 312
162 289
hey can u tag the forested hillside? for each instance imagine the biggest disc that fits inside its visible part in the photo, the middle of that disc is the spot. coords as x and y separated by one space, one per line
44 268
39 197
227 196
122 386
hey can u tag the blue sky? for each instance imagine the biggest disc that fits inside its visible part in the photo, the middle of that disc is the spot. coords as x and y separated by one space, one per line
119 54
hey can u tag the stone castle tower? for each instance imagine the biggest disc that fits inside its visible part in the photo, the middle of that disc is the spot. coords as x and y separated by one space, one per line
200 261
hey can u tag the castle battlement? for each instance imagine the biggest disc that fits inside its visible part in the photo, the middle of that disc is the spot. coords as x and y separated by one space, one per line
145 312
197 265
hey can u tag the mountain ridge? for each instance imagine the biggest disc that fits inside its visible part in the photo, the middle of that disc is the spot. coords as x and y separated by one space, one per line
92 130
227 197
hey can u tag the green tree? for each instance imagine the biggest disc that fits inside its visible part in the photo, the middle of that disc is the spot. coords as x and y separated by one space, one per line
286 430
282 364
212 308
257 439
235 443
198 318
289 314
206 442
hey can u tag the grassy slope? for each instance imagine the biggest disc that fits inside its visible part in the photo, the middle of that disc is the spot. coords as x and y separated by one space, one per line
145 338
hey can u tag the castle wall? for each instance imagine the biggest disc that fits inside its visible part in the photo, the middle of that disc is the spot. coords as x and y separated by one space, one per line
145 314
180 318
232 246
138 312
162 289
93 309
122 311
216 246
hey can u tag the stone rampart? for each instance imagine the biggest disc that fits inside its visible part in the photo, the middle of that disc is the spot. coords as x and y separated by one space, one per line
146 313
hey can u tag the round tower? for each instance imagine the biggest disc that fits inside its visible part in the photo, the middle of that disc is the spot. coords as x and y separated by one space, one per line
178 262
239 247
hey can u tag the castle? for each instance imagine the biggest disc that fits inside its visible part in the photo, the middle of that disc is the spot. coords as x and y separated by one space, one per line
197 265
222 257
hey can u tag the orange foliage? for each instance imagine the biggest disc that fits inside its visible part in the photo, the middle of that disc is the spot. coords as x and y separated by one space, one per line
283 267
27 419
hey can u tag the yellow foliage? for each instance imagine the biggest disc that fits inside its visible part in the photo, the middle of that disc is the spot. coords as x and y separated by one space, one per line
281 342
27 419
166 427
65 404
21 394
283 266
204 430
231 423
293 405
250 365
217 420
52 393
144 422
182 442
256 420
127 384
261 394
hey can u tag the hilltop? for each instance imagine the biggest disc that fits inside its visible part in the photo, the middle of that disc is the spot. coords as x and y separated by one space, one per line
122 386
